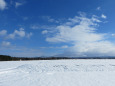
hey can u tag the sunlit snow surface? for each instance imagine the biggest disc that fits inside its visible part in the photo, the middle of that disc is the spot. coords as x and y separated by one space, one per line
58 73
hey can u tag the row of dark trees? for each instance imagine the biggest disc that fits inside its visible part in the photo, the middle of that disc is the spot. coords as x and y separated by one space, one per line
9 58
5 58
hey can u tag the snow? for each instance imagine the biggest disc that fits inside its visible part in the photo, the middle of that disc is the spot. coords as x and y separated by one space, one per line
58 73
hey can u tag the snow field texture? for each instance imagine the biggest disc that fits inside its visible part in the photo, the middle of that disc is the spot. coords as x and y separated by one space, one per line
58 73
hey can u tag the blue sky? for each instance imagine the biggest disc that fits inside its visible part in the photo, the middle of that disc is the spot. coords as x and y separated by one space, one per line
57 28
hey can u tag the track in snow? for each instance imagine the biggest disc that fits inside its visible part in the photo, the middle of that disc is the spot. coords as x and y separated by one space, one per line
58 73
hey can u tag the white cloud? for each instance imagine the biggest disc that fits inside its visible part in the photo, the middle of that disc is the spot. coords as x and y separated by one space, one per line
6 44
98 48
18 4
3 32
45 32
19 34
103 16
81 33
2 4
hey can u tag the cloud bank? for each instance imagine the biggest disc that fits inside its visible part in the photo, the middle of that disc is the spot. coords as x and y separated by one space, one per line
18 4
81 33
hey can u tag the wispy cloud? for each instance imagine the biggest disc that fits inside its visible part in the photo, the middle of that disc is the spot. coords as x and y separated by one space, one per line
5 44
37 26
3 4
98 8
113 35
3 32
25 18
80 31
17 4
60 47
29 34
49 19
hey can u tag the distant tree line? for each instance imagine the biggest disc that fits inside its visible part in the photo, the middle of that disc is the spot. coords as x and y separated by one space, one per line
5 58
9 58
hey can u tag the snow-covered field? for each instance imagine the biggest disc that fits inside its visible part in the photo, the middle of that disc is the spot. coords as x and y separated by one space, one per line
58 73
